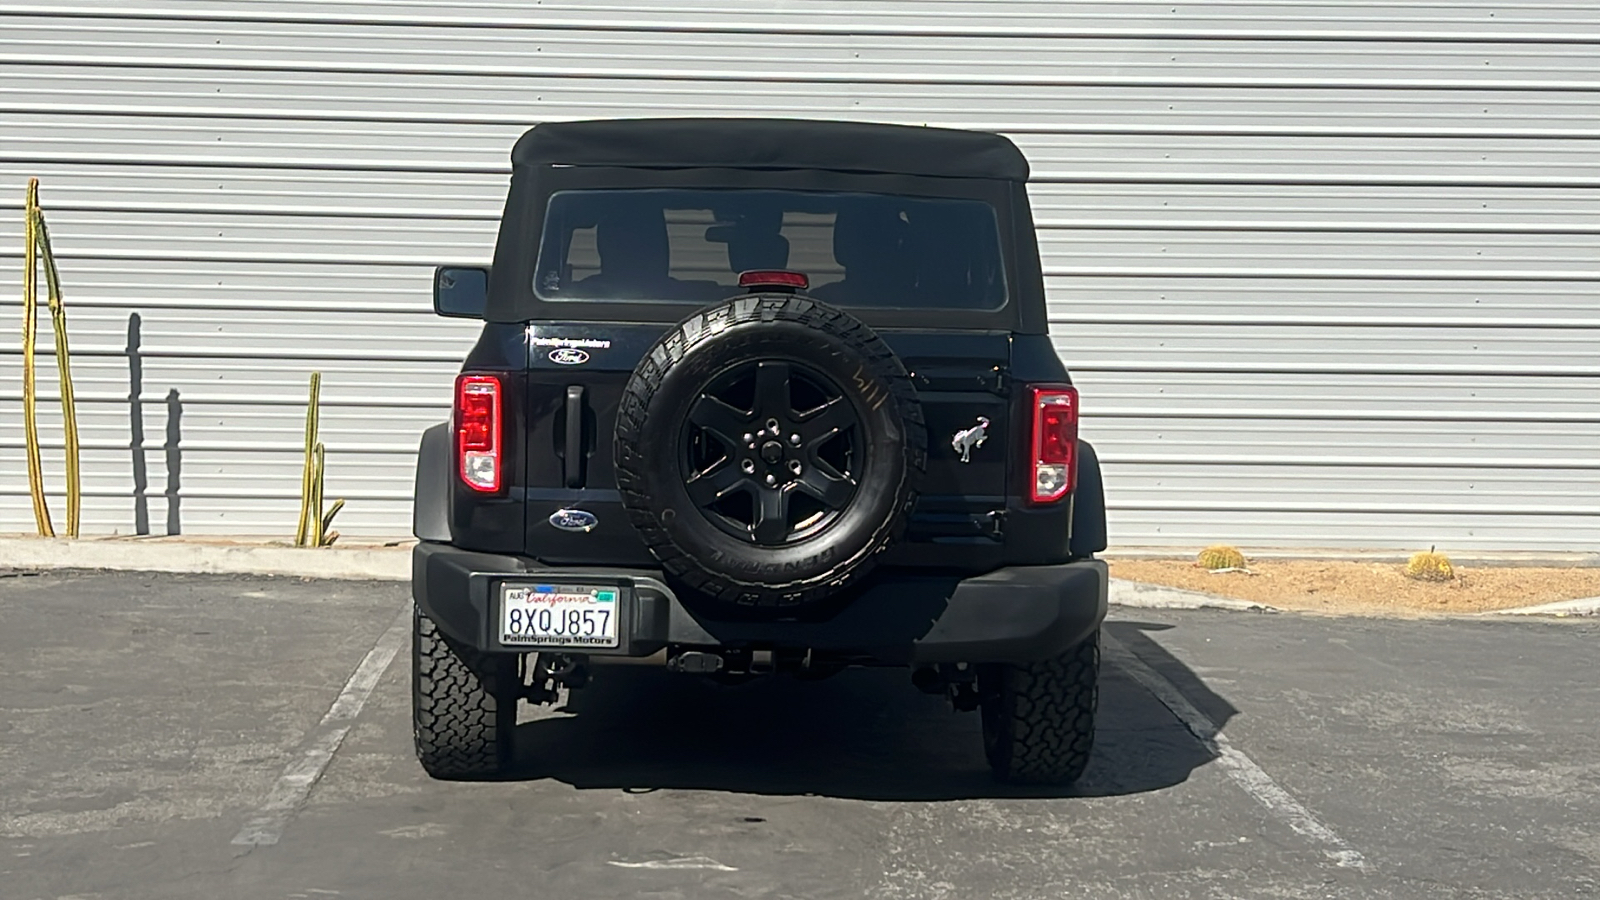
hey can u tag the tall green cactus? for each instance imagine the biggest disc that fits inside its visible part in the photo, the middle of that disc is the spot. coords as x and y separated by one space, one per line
30 340
69 403
315 523
302 533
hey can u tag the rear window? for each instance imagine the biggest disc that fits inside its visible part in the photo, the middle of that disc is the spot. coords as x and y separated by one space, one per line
858 249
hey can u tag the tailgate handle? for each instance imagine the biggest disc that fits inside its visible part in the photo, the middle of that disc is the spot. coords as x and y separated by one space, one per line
994 379
572 459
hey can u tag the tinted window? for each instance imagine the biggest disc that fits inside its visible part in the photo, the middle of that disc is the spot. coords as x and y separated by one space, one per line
690 246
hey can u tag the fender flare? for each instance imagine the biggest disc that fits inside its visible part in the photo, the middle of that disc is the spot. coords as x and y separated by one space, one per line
1088 535
430 510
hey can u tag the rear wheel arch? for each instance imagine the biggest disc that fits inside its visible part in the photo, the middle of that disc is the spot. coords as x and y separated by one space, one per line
1088 535
430 510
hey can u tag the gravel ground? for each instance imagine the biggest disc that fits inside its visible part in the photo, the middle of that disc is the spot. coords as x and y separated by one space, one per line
1370 588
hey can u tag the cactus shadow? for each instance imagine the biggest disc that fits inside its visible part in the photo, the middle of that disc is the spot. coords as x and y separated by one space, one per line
172 444
141 470
174 452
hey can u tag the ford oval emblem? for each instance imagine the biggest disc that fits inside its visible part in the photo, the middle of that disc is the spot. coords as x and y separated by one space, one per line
574 519
568 356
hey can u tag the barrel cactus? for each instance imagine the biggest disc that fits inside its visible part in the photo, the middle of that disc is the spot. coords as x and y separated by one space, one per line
1430 566
1220 556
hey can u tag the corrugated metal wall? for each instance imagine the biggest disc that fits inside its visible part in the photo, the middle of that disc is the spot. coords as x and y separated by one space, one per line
1326 272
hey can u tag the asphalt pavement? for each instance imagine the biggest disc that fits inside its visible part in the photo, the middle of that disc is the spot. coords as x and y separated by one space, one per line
146 720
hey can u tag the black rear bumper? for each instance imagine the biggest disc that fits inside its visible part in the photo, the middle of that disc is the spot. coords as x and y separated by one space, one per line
1016 614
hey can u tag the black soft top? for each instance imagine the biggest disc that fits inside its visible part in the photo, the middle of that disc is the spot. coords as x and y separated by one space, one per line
773 144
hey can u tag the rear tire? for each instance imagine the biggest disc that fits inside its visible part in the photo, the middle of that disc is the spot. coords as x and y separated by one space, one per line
463 705
1038 718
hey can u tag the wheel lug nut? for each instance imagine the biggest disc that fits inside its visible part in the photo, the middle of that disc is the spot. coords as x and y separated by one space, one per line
749 466
794 440
748 437
771 478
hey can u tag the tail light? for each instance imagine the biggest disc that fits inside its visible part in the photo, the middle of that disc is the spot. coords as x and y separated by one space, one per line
779 279
478 440
1055 441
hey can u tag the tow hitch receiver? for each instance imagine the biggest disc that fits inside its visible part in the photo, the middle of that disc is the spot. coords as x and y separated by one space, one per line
956 681
744 662
695 662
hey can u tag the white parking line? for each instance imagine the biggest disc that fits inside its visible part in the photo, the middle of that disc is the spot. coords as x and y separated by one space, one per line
1241 768
298 777
682 862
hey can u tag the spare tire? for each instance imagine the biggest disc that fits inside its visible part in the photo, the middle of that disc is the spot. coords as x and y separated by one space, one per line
767 449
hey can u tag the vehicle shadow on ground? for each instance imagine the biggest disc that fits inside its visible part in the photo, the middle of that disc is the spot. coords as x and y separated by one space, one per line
865 734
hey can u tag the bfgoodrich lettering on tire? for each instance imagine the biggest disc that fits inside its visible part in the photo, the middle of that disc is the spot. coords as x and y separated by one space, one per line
463 705
1038 718
768 449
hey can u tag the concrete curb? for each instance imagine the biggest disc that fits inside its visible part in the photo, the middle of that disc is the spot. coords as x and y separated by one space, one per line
1504 558
381 564
1587 606
1139 595
394 564
353 563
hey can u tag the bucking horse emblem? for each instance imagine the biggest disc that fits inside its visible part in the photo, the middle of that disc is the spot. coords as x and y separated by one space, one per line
969 439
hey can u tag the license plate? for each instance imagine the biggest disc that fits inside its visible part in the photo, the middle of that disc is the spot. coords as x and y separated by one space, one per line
559 615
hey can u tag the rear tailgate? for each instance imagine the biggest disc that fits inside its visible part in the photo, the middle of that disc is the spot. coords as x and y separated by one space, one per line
576 372
963 383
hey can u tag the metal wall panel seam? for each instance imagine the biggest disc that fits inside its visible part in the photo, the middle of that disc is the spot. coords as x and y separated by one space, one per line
300 114
782 76
978 24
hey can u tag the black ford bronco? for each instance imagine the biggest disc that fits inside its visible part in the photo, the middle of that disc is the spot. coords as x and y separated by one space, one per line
760 397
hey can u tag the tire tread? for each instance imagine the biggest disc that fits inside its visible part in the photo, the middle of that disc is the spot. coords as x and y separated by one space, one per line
463 708
1039 717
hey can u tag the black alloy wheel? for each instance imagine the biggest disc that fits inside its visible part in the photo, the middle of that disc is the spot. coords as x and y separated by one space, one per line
771 452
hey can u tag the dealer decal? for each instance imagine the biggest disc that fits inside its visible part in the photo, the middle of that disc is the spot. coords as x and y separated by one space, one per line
570 351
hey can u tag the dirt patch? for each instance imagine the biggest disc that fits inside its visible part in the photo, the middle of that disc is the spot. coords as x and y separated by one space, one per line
1337 586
